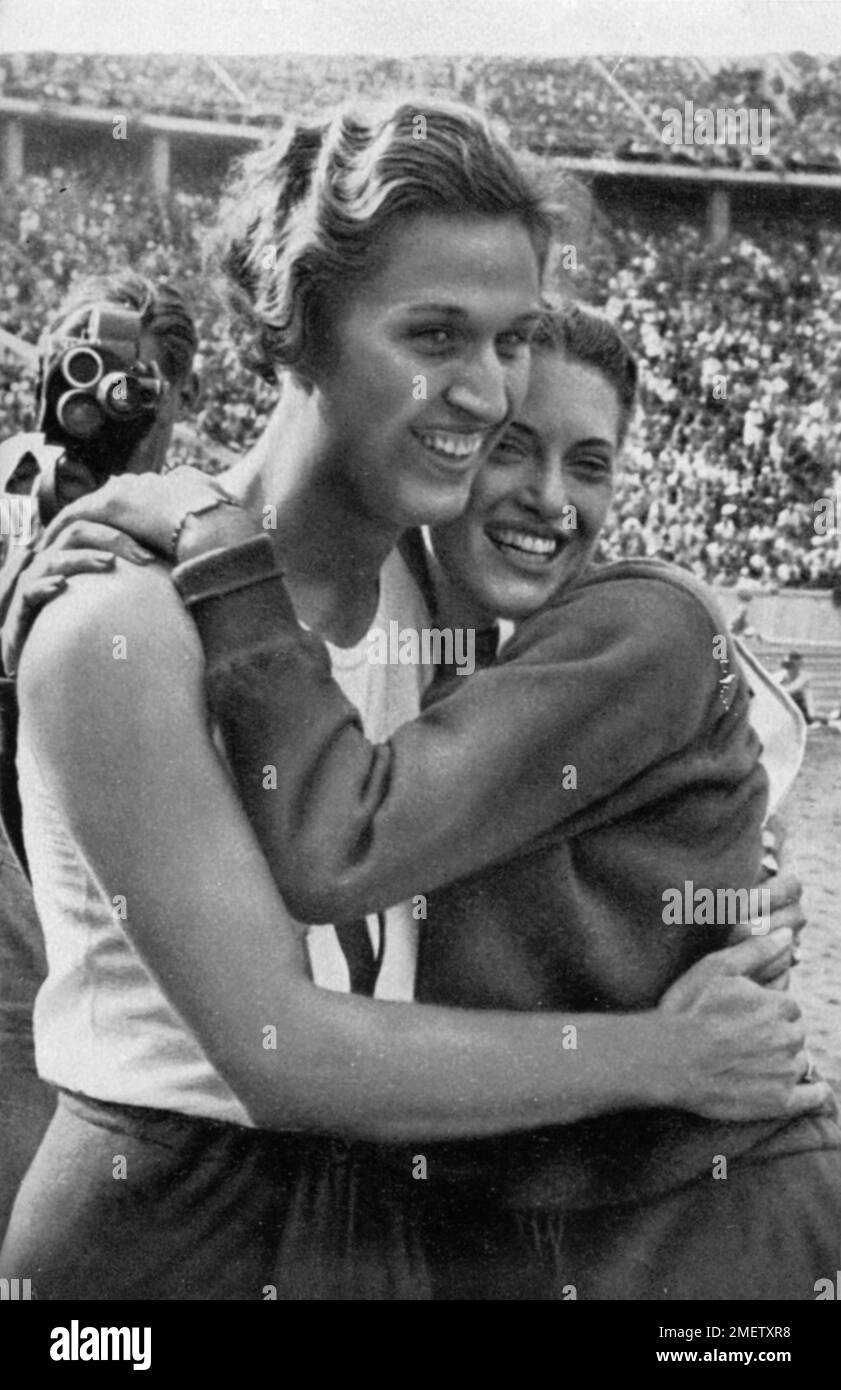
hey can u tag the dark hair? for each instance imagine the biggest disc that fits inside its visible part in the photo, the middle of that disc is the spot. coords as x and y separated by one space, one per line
302 216
161 307
591 338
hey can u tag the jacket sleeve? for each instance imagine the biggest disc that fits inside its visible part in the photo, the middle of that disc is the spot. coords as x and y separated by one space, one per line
611 680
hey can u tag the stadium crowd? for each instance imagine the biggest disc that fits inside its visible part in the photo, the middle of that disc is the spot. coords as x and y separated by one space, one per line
740 426
739 431
570 106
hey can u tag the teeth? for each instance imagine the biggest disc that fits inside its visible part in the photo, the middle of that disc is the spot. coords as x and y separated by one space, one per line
526 540
453 446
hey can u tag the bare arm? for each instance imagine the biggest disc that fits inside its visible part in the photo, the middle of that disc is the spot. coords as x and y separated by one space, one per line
125 750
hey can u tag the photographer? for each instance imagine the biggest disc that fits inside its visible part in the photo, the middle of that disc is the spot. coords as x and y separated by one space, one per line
115 372
131 344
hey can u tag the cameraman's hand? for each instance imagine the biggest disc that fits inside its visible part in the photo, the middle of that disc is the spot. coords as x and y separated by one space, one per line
180 515
743 1055
83 547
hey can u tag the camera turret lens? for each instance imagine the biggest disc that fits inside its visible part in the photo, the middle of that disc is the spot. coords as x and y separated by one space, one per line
82 366
79 414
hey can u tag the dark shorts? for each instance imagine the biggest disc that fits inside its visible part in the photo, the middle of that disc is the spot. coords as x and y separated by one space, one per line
130 1203
769 1230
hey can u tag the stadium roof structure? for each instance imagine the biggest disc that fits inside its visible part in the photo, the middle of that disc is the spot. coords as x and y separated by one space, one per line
645 162
593 107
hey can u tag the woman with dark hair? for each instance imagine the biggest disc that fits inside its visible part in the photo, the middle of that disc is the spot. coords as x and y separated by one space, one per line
394 270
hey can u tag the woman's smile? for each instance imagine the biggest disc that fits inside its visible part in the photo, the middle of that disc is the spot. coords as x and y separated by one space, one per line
455 452
525 545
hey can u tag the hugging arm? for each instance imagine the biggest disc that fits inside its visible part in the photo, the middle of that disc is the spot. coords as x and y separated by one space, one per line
124 750
353 826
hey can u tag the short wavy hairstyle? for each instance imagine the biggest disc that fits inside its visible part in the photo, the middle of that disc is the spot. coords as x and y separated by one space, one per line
301 218
588 336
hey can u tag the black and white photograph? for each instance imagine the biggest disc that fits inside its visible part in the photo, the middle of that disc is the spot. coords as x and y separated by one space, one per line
420 706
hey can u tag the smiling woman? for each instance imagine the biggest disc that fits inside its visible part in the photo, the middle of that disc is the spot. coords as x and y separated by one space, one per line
452 304
538 506
360 261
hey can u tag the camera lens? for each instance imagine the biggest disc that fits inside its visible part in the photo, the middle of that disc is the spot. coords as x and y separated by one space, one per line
79 414
82 367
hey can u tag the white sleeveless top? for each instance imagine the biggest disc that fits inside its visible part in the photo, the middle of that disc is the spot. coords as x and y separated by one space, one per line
102 1024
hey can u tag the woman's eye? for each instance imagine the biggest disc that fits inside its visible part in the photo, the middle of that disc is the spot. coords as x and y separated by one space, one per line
513 341
436 337
593 464
508 450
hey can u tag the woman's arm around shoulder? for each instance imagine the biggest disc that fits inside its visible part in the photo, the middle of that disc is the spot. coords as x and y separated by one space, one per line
591 691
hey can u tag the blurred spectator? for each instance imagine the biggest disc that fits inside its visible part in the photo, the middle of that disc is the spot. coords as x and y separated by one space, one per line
795 682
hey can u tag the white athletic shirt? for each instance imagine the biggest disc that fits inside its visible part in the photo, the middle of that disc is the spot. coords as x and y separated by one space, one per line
385 704
102 1024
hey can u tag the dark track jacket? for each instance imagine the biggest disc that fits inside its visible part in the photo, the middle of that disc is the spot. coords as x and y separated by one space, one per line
544 806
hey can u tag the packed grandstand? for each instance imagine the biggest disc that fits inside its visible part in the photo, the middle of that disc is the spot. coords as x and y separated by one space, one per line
558 105
739 430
